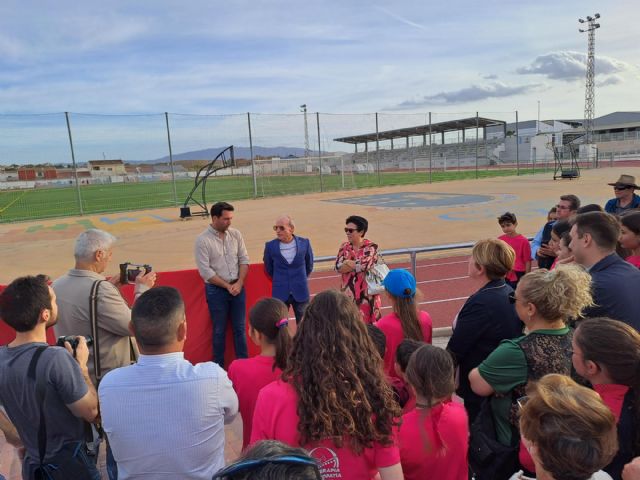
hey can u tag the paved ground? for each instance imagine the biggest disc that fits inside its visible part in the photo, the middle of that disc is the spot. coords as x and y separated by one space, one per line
460 211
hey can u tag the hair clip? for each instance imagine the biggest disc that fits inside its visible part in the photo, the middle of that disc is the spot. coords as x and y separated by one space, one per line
282 322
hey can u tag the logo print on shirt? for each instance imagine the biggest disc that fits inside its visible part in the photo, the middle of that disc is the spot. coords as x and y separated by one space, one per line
328 462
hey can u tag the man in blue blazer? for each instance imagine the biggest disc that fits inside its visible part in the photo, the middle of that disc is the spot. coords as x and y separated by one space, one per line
288 260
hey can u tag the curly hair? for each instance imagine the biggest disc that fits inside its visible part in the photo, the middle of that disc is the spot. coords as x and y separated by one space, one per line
560 293
573 431
338 376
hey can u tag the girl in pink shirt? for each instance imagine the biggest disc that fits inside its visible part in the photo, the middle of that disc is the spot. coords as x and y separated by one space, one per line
333 398
406 321
268 330
607 353
434 437
630 236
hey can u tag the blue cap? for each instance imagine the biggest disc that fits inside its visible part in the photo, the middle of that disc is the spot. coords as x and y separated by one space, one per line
400 283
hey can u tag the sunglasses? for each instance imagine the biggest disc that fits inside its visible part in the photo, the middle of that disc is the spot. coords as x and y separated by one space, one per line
350 230
278 228
512 298
622 187
252 464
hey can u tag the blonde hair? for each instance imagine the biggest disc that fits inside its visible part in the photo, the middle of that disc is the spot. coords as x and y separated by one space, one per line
496 256
573 430
560 293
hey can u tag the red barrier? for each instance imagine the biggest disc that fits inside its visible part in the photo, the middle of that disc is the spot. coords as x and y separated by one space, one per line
199 345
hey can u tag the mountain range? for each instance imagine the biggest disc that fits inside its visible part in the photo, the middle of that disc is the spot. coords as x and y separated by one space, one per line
239 152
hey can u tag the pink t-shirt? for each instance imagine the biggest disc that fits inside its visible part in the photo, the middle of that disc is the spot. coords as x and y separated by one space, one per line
249 375
435 445
612 396
276 418
392 328
521 246
634 260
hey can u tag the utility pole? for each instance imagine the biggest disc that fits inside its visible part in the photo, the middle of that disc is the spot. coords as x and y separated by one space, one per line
307 152
589 93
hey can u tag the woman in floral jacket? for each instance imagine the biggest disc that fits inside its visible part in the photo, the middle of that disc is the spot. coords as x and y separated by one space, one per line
355 258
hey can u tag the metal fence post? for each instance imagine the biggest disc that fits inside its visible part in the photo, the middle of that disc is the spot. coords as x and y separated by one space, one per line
414 263
319 151
477 122
377 149
342 169
173 174
517 147
253 163
73 161
430 150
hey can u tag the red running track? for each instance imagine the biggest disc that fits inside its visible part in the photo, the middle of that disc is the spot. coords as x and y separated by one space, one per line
444 284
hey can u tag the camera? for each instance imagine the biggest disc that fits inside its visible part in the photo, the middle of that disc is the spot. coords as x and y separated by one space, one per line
129 272
73 341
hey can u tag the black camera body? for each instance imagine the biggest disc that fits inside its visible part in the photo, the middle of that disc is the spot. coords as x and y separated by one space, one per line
73 341
129 272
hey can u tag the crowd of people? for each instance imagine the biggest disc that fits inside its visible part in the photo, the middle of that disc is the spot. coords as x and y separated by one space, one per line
540 378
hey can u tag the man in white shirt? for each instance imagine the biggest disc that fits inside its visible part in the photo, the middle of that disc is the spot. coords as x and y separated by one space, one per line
223 264
165 417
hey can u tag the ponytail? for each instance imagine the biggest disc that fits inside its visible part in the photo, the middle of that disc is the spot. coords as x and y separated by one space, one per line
269 317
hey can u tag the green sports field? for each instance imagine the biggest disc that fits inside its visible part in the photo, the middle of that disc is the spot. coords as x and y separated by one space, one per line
20 205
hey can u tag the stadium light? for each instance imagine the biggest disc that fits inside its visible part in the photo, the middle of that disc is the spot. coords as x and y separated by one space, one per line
589 96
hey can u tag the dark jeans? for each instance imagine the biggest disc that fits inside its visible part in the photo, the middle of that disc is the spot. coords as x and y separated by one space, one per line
298 307
222 307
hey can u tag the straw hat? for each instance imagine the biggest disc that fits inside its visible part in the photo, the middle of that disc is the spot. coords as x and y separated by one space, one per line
625 180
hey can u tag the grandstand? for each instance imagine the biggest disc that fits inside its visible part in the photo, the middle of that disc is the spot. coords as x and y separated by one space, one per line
616 137
448 146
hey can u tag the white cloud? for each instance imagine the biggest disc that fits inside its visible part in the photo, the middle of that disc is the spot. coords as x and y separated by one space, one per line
474 93
612 80
569 66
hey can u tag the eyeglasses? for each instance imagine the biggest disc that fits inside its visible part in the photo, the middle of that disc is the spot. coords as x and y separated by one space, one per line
279 228
622 187
512 298
252 464
562 207
350 230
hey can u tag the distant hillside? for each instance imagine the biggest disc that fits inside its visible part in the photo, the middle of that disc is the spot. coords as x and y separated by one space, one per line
240 152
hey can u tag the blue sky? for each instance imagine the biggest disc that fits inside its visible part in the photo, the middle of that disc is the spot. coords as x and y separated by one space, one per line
213 57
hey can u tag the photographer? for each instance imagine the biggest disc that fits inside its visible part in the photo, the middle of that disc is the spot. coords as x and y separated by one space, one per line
42 386
93 251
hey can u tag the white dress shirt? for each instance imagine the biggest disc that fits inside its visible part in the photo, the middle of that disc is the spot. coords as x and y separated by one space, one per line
165 417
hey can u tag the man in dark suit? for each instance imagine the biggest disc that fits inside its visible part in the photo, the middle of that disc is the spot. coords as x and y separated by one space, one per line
616 283
288 260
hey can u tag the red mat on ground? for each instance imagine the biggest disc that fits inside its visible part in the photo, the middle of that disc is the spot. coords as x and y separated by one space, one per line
199 345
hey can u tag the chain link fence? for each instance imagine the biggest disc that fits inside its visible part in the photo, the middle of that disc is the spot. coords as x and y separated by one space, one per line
55 165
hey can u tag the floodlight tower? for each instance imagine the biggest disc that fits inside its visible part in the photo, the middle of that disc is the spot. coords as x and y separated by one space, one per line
589 93
303 109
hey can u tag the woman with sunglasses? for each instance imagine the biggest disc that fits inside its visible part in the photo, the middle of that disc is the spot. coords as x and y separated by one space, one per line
333 398
545 301
355 258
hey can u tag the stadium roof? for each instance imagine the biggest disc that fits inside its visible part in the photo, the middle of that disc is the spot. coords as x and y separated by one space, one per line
440 127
